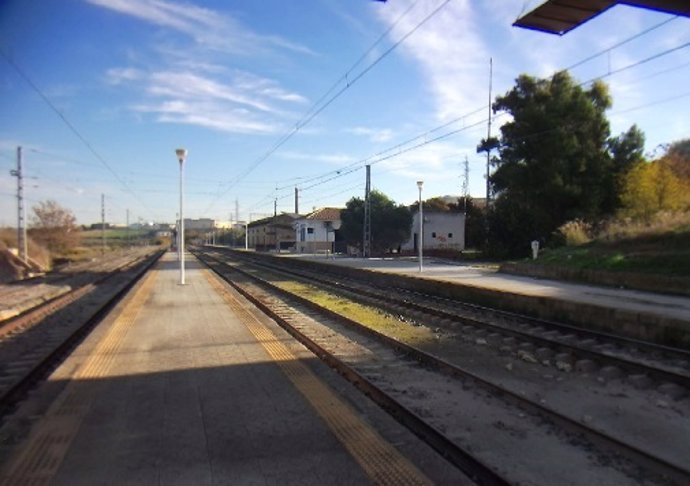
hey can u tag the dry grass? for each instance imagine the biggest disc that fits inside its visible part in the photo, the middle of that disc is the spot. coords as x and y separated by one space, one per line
8 239
371 317
662 222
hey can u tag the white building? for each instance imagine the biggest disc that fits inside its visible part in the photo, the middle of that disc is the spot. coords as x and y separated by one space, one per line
316 231
443 230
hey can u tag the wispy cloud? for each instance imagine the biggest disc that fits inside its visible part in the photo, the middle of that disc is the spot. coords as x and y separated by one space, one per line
245 103
334 159
207 115
373 134
448 49
206 26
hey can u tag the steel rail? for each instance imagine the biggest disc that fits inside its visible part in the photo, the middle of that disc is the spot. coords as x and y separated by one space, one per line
670 470
44 365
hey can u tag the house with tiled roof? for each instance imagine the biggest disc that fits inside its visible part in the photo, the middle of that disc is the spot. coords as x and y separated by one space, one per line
318 231
274 233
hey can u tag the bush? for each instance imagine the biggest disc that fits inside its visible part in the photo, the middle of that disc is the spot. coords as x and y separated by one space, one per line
574 233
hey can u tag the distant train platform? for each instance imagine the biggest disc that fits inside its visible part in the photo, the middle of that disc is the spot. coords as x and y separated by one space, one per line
638 311
190 385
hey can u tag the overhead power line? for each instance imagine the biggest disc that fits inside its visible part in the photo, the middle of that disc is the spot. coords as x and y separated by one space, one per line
640 62
314 112
621 43
69 125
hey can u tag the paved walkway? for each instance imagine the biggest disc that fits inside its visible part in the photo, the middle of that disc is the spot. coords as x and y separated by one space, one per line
184 385
486 278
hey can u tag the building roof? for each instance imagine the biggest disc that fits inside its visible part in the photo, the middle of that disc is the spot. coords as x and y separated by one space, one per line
281 218
324 214
561 16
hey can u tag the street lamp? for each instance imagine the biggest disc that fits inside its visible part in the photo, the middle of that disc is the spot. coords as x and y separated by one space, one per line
181 156
421 224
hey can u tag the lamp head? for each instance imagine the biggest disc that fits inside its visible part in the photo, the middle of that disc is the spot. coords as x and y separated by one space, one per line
420 184
181 154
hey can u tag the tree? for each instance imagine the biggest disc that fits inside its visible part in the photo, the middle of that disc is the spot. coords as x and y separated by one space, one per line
55 227
627 150
553 163
678 158
390 223
652 187
435 204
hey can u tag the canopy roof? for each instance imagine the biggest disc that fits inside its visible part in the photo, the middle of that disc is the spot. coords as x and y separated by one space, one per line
561 16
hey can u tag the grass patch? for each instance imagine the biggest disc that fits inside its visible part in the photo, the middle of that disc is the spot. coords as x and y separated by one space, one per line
371 317
658 254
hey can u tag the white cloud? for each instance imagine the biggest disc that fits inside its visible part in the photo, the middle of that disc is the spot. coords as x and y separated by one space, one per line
117 76
334 159
240 103
449 50
374 134
206 26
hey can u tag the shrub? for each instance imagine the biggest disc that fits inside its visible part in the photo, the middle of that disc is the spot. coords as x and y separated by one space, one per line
574 233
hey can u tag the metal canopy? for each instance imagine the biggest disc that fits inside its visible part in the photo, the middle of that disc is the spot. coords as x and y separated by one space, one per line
561 16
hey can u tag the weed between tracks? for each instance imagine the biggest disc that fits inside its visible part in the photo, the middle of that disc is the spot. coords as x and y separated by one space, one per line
381 321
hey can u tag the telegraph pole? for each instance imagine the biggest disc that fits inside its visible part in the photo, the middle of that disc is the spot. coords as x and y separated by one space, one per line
102 224
127 231
366 248
488 136
21 210
465 185
296 200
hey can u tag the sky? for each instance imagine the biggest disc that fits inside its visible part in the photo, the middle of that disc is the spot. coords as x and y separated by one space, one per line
271 95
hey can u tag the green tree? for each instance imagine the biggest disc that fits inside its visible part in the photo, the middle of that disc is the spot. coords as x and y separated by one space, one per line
55 227
627 150
390 223
553 163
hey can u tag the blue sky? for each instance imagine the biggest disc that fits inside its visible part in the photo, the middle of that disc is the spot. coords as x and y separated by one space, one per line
132 80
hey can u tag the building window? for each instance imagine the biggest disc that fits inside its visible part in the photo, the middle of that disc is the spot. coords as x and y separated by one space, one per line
433 235
310 231
450 235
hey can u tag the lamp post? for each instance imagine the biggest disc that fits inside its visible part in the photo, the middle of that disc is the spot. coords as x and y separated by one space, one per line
181 156
421 225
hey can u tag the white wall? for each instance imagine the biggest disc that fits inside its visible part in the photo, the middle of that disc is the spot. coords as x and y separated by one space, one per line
322 232
441 231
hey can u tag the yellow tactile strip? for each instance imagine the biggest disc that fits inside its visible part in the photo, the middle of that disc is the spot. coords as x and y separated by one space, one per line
38 461
377 457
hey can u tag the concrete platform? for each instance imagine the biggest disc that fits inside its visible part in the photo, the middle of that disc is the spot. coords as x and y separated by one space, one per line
185 385
644 315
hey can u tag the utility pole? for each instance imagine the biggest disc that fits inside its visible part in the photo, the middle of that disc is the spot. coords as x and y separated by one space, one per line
102 224
275 223
488 160
127 231
296 200
465 185
21 210
366 247
488 136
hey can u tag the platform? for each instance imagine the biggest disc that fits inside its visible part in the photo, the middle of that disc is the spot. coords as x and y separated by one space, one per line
187 385
644 315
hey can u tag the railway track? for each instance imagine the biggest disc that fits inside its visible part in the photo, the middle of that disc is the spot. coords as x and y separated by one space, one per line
33 342
564 346
392 368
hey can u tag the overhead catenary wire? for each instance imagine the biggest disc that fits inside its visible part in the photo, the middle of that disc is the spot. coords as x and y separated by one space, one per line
639 63
621 43
69 125
334 174
315 112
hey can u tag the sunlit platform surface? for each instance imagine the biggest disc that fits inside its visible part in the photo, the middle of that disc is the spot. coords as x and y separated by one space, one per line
631 305
179 385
